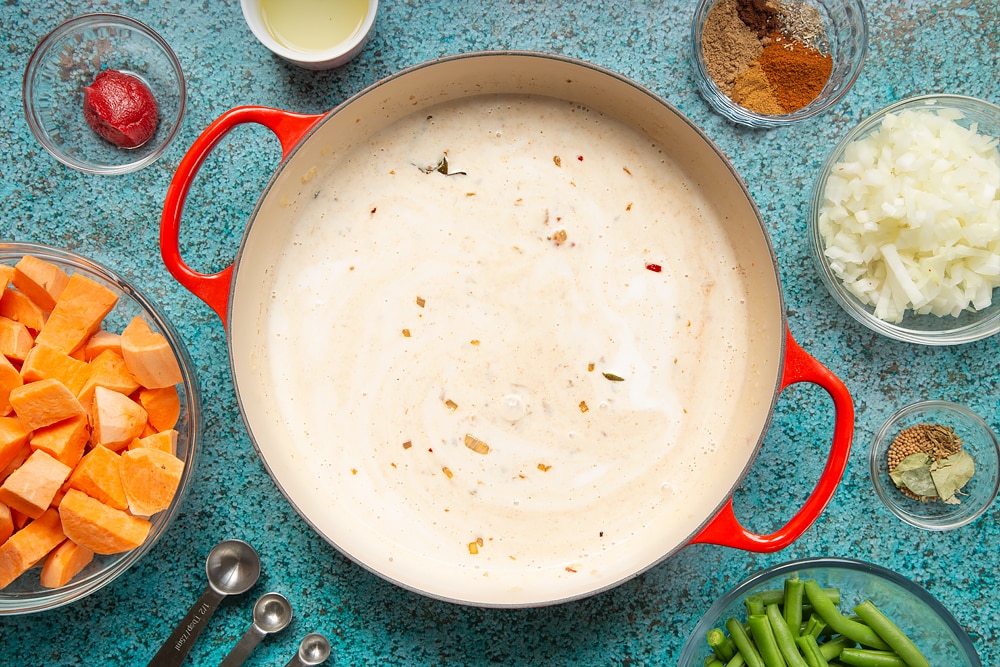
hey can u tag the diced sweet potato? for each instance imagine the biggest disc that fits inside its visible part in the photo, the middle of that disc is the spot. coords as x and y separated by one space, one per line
101 341
63 440
98 527
162 405
29 545
6 276
19 307
10 378
108 370
77 314
150 478
41 281
165 441
6 523
149 356
44 362
116 418
44 402
63 563
13 437
21 455
31 488
15 339
99 475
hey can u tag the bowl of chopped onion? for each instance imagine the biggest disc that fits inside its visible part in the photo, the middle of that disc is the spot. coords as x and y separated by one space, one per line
905 220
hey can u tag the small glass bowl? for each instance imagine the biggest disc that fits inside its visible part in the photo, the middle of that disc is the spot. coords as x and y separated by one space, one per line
924 329
917 613
26 595
68 59
847 37
977 439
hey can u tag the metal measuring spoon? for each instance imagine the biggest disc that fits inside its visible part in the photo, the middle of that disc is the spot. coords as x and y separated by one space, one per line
313 649
233 567
271 613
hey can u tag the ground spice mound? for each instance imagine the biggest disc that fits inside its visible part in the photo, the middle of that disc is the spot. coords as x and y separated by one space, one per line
728 45
761 16
753 91
803 72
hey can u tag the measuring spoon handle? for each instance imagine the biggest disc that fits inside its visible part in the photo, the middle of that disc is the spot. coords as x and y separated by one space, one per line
244 647
177 646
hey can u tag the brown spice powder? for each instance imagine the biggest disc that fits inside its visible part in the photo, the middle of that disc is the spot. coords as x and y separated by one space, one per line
728 45
753 91
797 72
759 15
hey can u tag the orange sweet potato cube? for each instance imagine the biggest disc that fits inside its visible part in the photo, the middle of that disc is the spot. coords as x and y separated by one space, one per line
116 419
10 378
165 441
6 523
44 402
63 440
102 340
99 475
63 563
31 488
44 361
41 281
150 478
98 527
107 370
19 307
15 339
6 275
77 315
29 545
21 455
13 437
148 355
162 405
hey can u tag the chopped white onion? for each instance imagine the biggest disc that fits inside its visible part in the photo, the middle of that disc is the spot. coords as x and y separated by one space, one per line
910 218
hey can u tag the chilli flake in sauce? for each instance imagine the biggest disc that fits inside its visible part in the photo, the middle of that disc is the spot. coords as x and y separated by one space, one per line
619 450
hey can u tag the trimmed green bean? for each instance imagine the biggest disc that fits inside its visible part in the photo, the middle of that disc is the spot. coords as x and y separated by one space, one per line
814 626
721 645
841 624
891 634
862 657
784 638
743 644
810 650
754 605
831 649
737 661
792 607
763 637
775 595
712 661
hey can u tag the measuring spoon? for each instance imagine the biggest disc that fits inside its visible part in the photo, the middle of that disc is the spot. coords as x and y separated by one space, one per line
313 649
271 613
233 567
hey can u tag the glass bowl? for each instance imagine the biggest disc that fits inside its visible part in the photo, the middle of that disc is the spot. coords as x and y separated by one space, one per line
928 328
917 613
26 594
977 439
847 43
68 59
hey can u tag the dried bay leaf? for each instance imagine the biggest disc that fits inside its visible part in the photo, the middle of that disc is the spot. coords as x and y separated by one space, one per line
914 474
952 473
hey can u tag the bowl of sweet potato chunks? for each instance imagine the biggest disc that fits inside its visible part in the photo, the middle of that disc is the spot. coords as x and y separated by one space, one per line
98 426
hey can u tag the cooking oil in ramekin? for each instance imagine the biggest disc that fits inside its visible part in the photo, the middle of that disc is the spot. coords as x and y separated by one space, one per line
312 25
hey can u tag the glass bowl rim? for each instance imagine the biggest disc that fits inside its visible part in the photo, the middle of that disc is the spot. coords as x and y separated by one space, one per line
35 61
746 117
44 599
882 434
954 336
695 641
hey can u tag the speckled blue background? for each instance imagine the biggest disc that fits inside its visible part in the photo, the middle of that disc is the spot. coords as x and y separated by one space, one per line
917 46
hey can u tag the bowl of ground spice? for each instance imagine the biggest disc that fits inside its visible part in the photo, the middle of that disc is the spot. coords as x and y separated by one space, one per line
935 465
769 63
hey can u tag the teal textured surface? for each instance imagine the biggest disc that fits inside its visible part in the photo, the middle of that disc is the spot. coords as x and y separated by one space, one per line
915 47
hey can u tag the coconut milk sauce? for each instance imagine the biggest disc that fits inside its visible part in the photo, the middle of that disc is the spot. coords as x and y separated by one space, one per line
412 308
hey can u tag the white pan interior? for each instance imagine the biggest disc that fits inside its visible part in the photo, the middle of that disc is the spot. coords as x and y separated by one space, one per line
388 320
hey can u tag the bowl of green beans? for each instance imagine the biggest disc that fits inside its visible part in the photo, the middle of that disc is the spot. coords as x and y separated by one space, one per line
828 612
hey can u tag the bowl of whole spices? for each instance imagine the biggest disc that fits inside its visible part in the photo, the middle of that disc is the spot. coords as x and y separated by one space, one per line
768 63
935 465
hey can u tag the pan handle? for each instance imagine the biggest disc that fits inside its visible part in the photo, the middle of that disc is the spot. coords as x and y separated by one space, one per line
725 528
213 288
